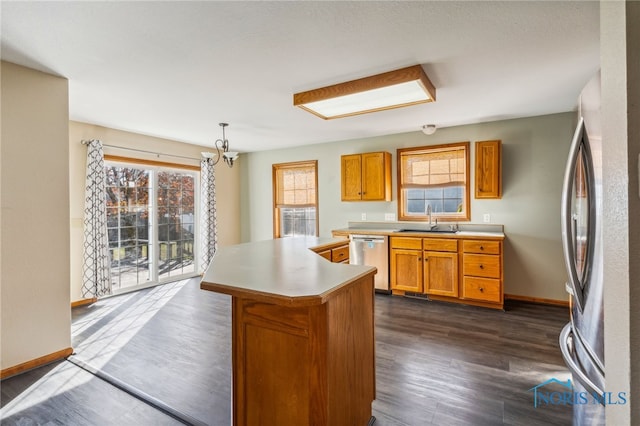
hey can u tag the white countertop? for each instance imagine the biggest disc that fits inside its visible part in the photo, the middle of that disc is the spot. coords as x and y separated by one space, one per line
282 270
465 229
395 233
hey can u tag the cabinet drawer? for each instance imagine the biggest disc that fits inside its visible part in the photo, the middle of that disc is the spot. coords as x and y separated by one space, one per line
482 265
406 243
481 246
440 244
340 254
325 253
484 289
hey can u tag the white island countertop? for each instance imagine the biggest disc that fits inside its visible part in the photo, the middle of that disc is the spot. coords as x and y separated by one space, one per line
283 271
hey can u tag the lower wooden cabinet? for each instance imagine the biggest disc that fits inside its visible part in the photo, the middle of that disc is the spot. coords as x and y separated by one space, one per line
336 252
441 273
482 265
482 289
340 254
452 269
325 253
482 271
406 270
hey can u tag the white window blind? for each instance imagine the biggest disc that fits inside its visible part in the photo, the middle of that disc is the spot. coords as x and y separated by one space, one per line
295 186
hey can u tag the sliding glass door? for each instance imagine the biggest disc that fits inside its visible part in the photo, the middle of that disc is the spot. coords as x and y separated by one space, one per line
151 220
176 224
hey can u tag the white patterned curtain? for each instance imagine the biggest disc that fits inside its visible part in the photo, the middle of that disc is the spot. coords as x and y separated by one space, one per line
208 211
96 280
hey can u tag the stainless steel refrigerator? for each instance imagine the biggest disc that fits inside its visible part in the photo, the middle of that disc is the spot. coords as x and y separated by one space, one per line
582 339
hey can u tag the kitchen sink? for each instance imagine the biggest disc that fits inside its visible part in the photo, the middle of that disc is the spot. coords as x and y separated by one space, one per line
437 229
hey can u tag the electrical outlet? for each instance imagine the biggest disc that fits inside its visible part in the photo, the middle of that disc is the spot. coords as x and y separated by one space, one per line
364 216
486 218
390 216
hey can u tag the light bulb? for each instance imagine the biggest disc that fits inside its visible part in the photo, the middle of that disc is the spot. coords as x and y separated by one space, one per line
429 129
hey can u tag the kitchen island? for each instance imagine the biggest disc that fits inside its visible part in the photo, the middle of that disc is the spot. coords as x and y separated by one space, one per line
303 336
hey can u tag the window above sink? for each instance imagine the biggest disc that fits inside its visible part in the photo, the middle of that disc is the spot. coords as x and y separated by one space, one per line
437 177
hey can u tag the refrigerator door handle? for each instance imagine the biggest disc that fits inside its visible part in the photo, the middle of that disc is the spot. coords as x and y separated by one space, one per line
579 341
574 367
567 217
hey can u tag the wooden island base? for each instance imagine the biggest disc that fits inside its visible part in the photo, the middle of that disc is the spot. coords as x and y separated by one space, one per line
304 365
302 339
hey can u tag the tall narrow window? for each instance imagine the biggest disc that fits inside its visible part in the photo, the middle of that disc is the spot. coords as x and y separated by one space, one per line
436 179
295 199
151 219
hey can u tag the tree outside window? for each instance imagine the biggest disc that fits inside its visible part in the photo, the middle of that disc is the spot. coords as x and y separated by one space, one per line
139 255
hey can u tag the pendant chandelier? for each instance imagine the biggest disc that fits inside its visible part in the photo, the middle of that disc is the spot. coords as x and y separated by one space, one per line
222 145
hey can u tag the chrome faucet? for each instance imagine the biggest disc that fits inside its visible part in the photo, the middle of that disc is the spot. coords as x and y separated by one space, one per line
431 226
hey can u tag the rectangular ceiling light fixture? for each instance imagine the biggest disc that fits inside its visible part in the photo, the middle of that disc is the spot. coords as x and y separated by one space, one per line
393 89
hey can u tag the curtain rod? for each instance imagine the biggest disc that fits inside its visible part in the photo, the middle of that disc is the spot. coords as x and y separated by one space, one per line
86 142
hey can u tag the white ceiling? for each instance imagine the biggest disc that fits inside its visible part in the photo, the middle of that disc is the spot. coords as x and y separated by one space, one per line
177 69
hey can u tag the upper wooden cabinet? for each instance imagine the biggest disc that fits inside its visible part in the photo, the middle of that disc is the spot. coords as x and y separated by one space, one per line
366 177
489 169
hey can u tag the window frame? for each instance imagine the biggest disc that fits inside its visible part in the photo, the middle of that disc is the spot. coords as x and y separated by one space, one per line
277 207
465 215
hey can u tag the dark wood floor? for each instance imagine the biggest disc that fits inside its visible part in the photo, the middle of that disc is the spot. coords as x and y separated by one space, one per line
437 363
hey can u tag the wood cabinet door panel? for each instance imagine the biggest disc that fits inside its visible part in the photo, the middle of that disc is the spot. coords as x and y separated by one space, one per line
406 270
441 273
273 367
483 289
482 265
488 169
374 176
351 170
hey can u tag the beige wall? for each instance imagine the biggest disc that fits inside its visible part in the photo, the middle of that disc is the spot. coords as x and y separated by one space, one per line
227 182
620 59
36 319
534 155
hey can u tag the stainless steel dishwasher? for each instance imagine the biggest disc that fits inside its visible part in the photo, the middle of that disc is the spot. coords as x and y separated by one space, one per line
372 250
